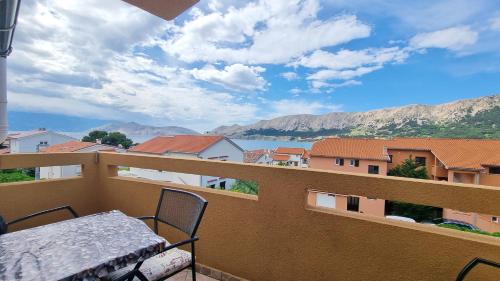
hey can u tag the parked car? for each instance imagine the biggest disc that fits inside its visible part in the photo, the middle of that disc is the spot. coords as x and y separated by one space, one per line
400 218
457 223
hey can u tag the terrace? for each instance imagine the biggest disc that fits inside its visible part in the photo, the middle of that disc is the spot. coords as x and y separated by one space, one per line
275 235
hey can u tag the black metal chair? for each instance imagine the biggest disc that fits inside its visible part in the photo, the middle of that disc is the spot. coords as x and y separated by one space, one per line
473 263
184 211
5 225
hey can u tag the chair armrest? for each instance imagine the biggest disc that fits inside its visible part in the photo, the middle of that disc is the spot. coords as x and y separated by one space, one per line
175 245
73 213
146 218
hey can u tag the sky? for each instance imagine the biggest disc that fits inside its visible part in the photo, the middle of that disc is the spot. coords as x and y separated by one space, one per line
237 62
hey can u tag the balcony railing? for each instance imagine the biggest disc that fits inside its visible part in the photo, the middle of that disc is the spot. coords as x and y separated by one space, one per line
276 235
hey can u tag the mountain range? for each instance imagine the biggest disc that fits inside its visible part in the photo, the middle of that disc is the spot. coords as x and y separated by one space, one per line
471 118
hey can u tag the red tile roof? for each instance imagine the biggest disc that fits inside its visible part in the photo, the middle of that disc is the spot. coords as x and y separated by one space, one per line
280 157
371 149
180 143
290 150
70 146
253 156
453 153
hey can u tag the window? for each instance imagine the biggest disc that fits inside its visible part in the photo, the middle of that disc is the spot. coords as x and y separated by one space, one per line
372 169
354 163
222 185
212 186
339 161
353 203
420 161
43 143
494 219
390 158
495 170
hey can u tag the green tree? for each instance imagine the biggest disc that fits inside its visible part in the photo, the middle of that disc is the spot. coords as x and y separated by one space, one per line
94 136
117 138
249 187
113 138
410 169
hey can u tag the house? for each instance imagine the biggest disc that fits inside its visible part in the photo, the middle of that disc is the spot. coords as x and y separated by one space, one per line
55 172
34 141
259 156
290 156
454 160
190 146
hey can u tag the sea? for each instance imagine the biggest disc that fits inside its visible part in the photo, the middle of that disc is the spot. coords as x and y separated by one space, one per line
245 144
269 144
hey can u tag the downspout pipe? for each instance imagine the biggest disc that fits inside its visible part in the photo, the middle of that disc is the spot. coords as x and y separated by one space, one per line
9 9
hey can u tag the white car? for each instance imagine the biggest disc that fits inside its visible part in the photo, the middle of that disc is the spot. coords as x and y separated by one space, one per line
399 218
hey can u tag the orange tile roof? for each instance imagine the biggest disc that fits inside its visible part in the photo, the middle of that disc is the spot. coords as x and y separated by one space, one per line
252 156
70 146
290 150
280 157
453 153
371 149
178 143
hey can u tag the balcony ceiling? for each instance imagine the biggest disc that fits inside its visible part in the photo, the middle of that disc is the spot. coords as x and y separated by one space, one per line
165 9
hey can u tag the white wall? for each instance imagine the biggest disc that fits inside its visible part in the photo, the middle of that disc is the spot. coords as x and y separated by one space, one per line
30 143
223 150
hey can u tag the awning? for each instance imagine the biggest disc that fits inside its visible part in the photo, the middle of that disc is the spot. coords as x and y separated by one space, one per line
165 9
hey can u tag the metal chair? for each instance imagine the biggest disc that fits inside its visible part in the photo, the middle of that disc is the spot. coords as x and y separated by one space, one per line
473 263
5 225
184 211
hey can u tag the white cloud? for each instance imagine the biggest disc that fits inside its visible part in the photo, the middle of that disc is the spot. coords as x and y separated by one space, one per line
332 74
268 31
453 38
237 77
296 91
318 84
345 59
289 75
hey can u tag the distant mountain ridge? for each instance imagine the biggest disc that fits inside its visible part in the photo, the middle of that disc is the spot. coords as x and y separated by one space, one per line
136 129
474 118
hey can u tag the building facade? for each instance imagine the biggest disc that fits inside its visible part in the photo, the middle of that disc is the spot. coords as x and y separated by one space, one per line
290 156
190 146
34 141
453 160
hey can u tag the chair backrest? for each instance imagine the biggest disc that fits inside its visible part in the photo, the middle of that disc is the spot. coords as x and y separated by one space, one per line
181 209
3 226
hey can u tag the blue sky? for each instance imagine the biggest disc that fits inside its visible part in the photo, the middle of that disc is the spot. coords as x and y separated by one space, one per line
227 62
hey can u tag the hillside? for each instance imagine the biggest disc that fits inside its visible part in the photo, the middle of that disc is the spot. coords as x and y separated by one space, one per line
136 129
473 118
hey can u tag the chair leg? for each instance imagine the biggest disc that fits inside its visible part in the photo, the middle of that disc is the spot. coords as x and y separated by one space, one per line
193 262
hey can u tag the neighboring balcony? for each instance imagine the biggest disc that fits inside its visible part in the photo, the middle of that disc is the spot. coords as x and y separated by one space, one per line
276 235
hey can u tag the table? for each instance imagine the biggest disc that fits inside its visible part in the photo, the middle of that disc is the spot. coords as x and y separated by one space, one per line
78 249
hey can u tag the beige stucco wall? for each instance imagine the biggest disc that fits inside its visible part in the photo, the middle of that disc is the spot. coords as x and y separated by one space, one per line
490 179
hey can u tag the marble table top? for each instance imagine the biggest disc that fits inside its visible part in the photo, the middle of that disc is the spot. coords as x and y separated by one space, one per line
84 248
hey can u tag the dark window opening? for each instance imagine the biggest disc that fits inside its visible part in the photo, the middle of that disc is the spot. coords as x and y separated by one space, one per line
339 161
212 186
222 185
372 169
353 203
390 158
494 170
420 161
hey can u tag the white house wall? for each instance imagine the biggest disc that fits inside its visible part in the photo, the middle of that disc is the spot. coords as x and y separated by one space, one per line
30 143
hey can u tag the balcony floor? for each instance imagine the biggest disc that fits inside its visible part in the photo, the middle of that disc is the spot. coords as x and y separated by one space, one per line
186 276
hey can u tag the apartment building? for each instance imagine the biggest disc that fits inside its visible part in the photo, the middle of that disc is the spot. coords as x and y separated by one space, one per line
454 160
190 146
291 156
